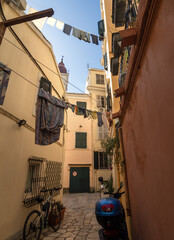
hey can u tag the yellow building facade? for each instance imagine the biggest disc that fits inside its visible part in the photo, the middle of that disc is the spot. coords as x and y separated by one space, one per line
83 138
17 143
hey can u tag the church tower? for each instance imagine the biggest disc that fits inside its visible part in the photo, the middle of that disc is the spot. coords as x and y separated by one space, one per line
64 74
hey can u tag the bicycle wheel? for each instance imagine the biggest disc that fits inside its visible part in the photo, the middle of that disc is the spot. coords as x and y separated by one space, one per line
55 216
33 226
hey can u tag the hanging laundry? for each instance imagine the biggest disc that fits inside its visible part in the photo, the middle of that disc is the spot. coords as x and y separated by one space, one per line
81 111
76 32
76 109
49 118
100 121
101 38
87 37
93 114
4 78
72 107
84 36
51 21
94 39
67 29
38 22
104 118
59 25
86 113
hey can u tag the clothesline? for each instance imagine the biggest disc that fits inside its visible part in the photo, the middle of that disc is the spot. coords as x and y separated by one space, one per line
75 109
49 111
45 67
66 28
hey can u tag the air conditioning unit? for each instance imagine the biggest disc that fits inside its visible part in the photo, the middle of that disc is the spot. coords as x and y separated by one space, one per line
21 4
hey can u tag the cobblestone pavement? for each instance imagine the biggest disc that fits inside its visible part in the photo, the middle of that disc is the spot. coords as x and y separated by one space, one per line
79 222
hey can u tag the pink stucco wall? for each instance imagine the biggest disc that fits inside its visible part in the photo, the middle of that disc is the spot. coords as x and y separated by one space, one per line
148 133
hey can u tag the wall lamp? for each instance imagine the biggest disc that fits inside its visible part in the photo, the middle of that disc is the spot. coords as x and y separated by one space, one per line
21 123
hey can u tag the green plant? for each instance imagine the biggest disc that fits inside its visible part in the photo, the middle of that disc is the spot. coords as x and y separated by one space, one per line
109 185
109 145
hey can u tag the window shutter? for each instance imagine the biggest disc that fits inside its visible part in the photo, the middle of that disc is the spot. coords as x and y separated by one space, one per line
81 140
98 101
105 160
101 28
105 132
105 62
95 160
81 105
100 135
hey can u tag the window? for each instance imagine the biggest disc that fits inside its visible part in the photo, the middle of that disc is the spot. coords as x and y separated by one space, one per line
41 173
45 84
81 105
81 140
102 132
101 160
100 79
101 101
35 171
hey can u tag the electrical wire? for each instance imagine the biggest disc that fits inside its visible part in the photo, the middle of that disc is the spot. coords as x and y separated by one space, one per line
47 67
24 47
26 51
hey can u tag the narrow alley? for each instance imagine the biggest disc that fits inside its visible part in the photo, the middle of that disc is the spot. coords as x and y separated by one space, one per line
79 222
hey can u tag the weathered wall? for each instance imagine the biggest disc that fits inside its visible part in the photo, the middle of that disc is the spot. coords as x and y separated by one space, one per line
148 129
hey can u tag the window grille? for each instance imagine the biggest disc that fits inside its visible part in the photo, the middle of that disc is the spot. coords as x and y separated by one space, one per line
41 174
100 79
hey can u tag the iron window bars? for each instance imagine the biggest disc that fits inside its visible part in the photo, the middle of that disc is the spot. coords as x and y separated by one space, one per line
41 174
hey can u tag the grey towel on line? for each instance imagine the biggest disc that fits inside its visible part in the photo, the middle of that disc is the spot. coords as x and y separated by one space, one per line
76 32
67 29
94 39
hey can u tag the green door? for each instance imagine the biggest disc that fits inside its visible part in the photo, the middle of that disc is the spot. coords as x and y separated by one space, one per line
79 179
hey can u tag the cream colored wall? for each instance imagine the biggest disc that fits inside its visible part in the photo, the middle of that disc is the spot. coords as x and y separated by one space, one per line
17 144
95 90
77 155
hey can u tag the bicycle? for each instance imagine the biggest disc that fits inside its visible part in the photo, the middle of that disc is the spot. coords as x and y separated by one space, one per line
36 220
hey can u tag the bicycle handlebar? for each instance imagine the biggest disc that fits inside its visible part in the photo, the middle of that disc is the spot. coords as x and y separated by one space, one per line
51 189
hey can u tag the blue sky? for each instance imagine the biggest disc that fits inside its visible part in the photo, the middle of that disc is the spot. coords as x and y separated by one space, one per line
80 14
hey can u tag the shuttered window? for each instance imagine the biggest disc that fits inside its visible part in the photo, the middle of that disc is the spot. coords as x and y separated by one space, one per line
101 101
102 132
101 161
95 160
81 105
81 140
105 62
45 84
100 79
